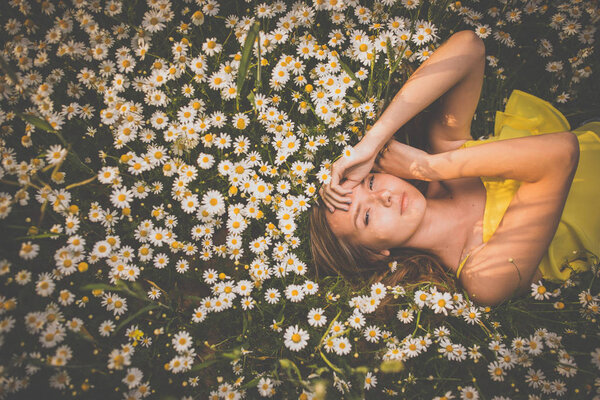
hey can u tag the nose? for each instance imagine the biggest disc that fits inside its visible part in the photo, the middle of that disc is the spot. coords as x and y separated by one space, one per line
384 196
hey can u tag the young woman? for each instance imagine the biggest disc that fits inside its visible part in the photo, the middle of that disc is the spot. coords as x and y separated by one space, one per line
498 214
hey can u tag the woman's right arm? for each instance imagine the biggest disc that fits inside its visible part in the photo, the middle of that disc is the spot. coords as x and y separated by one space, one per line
526 159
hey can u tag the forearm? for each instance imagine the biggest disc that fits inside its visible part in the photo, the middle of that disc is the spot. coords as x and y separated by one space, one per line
447 66
526 159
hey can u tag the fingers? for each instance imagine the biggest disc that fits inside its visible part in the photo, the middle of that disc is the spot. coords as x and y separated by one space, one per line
337 200
334 184
332 200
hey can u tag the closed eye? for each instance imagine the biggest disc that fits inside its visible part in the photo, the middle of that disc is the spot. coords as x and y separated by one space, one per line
370 187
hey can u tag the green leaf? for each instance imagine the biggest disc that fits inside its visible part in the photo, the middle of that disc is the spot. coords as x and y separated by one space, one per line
251 383
40 236
37 122
133 316
103 286
246 52
203 365
371 78
333 367
390 52
250 98
233 355
258 82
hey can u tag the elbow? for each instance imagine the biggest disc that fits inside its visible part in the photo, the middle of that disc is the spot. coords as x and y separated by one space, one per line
572 150
484 299
485 291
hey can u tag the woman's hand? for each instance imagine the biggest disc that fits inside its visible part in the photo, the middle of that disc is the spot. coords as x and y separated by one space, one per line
404 161
353 170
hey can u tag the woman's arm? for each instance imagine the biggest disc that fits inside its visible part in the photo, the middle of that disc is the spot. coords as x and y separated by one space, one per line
454 72
506 263
526 159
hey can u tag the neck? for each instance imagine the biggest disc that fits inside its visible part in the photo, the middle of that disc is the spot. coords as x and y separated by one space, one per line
442 230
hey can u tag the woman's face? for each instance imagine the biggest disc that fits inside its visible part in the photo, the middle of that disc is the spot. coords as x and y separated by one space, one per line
378 218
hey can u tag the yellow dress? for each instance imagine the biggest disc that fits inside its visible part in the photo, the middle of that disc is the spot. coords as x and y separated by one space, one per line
578 232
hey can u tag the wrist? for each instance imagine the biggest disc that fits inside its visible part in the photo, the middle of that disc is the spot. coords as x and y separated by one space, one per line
376 137
425 168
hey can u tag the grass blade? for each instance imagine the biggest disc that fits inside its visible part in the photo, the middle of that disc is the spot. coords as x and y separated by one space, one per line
245 61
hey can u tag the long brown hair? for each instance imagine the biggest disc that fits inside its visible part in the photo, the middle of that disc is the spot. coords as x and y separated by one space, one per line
334 255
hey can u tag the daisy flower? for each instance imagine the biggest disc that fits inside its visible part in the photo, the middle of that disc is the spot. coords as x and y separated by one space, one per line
341 345
199 314
316 317
442 302
247 303
447 396
272 295
205 161
483 31
214 202
534 346
55 154
469 392
119 306
472 315
405 315
240 121
236 224
182 266
554 66
133 377
447 348
410 4
497 373
372 333
356 320
294 293
265 387
370 380
441 332
44 285
121 197
563 97
29 250
422 298
295 338
474 353
211 47
421 37
154 293
310 287
539 291
181 341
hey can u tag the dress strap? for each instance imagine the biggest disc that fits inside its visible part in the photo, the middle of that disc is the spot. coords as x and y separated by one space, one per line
462 264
